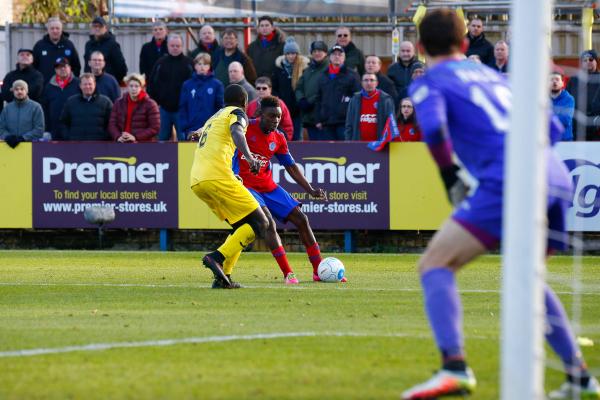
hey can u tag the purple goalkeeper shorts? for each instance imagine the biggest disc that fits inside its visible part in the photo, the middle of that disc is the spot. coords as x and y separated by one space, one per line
481 215
279 202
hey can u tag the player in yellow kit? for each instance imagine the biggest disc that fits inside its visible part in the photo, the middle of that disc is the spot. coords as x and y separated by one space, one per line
213 181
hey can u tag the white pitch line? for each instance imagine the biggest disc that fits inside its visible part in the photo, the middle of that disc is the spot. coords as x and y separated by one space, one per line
206 339
322 286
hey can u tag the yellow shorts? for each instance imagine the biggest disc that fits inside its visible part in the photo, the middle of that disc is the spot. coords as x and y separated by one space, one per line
228 199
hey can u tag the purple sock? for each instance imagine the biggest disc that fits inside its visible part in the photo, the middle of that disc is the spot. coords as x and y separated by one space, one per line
559 334
444 310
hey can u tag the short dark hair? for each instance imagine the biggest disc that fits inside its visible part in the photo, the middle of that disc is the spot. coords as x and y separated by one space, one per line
266 18
269 101
229 31
265 80
441 32
235 95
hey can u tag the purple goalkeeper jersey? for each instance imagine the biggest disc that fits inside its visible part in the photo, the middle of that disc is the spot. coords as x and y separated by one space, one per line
464 106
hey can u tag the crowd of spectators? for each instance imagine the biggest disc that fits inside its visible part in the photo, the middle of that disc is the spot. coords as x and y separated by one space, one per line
333 93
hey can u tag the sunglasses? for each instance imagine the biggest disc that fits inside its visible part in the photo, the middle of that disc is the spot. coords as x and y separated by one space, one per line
343 35
261 88
369 80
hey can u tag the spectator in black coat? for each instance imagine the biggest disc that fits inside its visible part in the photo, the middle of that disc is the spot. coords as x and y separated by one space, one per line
104 41
355 58
53 45
501 57
56 92
267 46
106 84
228 53
337 85
154 49
373 66
208 42
164 86
591 96
478 44
25 72
85 116
400 71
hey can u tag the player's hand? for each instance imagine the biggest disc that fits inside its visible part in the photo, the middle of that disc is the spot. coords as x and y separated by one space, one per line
254 165
195 135
318 193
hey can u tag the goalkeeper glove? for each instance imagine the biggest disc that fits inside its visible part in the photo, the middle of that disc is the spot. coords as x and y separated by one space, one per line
456 189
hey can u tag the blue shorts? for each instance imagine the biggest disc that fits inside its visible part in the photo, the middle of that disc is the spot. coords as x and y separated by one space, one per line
279 202
481 215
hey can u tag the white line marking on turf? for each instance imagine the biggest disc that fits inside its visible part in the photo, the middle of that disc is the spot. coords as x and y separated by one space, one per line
206 339
321 286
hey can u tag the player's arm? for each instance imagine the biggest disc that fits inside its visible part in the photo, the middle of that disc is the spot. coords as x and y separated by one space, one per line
290 166
238 134
430 107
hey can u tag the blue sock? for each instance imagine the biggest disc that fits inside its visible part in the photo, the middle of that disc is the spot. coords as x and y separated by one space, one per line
560 336
444 310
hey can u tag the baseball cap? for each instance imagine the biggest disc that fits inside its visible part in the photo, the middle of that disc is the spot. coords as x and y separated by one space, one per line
590 53
318 45
99 20
21 50
336 47
61 61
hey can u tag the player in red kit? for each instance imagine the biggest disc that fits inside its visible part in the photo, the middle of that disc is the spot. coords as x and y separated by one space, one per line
265 141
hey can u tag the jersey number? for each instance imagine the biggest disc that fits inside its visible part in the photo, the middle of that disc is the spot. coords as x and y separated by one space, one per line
496 115
203 137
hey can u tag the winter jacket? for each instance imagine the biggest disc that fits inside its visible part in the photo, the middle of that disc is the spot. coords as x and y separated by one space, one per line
481 47
53 101
563 106
283 82
264 56
201 97
204 49
285 125
22 118
592 103
387 85
355 58
166 79
307 90
107 45
107 85
221 61
385 108
45 54
150 54
400 74
34 79
145 119
334 95
86 119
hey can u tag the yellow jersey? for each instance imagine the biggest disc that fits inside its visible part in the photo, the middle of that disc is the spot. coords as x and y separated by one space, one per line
214 154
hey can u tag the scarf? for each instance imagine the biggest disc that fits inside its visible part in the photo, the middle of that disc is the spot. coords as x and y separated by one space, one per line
131 106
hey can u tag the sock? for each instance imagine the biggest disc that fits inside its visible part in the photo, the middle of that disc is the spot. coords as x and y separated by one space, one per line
444 310
314 256
282 260
230 263
560 337
237 241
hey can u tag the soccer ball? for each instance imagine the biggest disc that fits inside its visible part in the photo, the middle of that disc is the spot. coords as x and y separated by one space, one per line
331 270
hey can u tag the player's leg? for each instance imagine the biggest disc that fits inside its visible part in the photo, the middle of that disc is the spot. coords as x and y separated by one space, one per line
273 241
451 248
300 220
559 334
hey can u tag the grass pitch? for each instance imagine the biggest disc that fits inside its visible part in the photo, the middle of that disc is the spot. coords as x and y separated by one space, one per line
366 339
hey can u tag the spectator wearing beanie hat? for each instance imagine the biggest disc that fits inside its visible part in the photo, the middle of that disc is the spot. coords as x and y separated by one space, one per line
308 87
288 70
589 66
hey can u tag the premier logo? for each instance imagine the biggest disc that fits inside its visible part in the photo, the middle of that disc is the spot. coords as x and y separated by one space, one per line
330 170
104 170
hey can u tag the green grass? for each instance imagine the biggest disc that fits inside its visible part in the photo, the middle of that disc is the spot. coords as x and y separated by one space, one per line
58 299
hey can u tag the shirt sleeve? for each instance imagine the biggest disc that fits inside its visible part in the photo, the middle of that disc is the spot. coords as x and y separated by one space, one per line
283 152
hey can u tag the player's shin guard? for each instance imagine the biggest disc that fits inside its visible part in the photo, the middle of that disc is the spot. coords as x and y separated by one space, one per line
237 241
282 260
561 338
314 256
444 310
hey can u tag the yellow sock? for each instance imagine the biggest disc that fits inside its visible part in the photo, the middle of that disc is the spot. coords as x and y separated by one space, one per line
237 241
230 263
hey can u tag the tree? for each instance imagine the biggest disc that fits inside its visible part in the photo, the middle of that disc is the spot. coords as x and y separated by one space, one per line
38 11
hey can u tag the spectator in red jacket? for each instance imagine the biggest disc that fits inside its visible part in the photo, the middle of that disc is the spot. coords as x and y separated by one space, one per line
135 116
264 87
407 124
